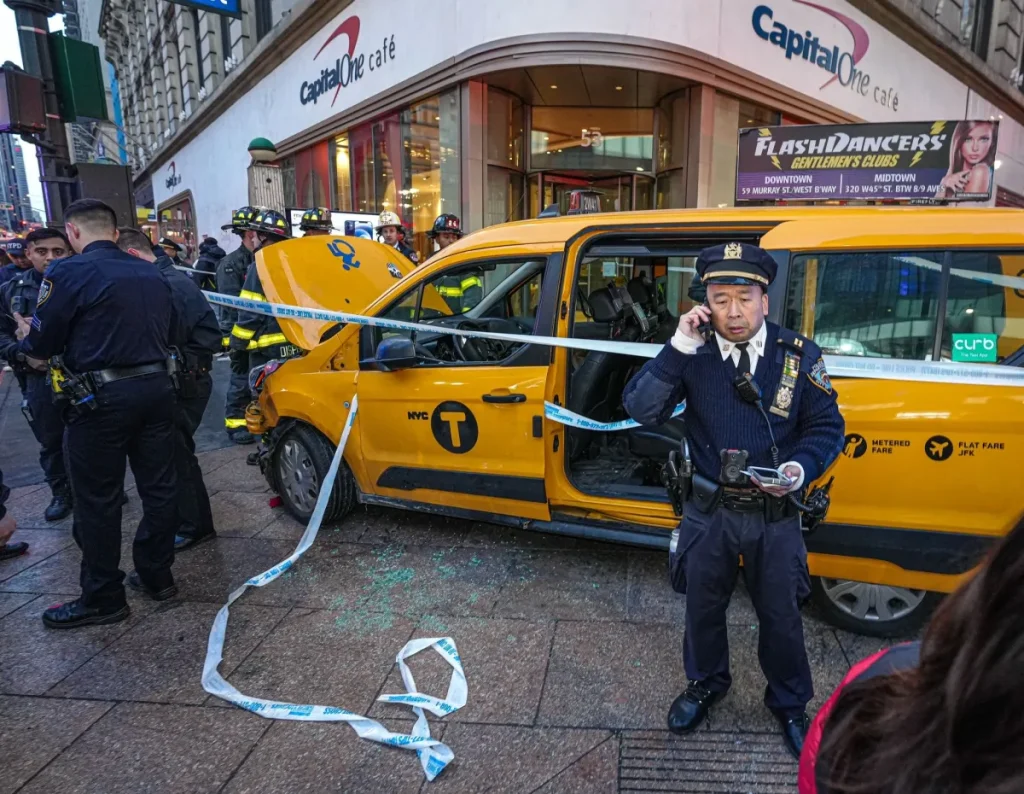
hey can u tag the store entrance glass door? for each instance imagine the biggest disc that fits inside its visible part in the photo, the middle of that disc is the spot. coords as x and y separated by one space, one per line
618 192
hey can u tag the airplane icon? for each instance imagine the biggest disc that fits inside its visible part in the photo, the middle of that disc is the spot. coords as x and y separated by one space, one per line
937 449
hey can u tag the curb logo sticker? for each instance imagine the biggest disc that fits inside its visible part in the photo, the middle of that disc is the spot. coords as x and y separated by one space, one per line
855 446
454 427
938 448
393 270
345 252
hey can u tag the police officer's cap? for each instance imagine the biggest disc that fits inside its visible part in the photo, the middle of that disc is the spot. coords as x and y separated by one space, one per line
736 263
240 219
169 243
15 248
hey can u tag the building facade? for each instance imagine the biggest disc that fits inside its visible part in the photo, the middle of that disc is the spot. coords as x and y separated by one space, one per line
494 111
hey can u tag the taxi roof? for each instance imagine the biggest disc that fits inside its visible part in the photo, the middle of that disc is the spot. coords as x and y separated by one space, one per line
828 222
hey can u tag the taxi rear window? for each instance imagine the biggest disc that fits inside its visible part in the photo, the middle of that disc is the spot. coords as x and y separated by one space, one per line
950 305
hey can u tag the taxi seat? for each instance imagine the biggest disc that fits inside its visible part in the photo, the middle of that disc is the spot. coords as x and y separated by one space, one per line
655 443
595 390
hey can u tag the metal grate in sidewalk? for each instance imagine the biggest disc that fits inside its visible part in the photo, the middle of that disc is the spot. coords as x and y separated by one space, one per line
705 763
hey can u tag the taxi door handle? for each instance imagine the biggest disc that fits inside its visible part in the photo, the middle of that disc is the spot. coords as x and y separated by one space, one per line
504 398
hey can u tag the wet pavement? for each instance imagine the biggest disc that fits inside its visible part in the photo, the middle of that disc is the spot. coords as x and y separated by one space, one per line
571 651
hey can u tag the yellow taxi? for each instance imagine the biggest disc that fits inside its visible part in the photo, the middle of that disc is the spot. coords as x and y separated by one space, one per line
456 424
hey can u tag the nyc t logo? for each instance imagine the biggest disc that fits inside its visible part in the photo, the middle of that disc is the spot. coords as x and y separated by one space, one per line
344 251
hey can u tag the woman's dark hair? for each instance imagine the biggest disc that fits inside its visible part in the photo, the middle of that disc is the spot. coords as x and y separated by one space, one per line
954 724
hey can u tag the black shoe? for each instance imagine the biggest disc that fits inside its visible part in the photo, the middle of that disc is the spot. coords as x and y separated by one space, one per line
134 581
11 550
182 542
794 730
60 506
242 436
75 614
252 459
691 708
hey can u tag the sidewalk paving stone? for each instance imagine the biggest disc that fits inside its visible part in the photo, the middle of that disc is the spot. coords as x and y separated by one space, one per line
504 662
34 731
42 544
161 660
150 747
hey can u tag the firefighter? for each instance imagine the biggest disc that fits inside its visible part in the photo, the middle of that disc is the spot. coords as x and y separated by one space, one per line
390 229
260 334
461 291
231 272
316 221
447 229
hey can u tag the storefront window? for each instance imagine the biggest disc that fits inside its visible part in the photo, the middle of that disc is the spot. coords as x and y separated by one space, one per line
504 129
505 197
177 221
592 139
288 182
673 115
408 162
431 181
342 174
731 115
361 143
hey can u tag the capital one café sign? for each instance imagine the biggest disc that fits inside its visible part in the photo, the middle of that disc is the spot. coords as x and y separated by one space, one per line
348 67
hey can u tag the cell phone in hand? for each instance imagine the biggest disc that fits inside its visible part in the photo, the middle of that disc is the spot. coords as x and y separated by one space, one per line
771 478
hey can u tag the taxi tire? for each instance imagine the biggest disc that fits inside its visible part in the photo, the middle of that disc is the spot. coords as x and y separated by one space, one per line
320 452
908 625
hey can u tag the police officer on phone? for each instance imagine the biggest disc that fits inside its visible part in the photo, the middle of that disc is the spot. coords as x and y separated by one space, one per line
757 395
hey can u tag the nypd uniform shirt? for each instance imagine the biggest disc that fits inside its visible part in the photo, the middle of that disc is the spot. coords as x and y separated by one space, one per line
797 394
19 295
101 310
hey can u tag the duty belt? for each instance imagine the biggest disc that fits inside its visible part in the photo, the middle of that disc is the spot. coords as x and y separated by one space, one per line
742 500
104 376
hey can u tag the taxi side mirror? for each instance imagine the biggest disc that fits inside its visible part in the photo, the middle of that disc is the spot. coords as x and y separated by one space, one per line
396 353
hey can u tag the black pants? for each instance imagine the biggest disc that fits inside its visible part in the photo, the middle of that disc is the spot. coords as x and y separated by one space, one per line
133 420
47 425
238 396
195 515
775 571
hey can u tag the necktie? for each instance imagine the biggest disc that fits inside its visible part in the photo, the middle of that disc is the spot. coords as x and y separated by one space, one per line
744 365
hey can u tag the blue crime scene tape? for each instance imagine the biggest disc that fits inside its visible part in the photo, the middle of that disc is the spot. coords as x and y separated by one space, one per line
837 366
434 756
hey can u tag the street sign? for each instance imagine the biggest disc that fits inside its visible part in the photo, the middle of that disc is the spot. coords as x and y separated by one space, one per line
230 8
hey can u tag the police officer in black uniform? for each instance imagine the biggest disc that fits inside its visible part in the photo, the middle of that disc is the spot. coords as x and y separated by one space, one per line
756 395
231 272
195 340
18 298
109 321
316 221
260 334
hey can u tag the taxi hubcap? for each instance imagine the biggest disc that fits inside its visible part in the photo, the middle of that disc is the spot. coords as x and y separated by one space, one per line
298 476
872 602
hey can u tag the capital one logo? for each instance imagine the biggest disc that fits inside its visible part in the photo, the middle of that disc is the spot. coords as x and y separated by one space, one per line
805 44
173 177
347 69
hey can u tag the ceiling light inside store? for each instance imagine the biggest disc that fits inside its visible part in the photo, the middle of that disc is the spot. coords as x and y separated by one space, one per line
639 168
555 87
437 118
618 88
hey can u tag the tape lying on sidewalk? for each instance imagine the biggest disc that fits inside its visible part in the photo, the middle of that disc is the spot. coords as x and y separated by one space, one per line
838 366
434 756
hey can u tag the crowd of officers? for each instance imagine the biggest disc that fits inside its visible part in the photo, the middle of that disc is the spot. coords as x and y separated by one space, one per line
112 343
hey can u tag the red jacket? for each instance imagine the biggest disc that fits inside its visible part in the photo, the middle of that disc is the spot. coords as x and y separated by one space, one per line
812 780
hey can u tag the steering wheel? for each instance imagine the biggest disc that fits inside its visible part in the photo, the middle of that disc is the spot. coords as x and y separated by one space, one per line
467 348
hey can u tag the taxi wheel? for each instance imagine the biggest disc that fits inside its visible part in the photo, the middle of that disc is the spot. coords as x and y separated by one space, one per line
301 460
874 610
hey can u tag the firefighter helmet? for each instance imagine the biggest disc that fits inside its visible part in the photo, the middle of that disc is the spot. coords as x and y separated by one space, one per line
446 223
388 218
272 224
316 219
240 220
